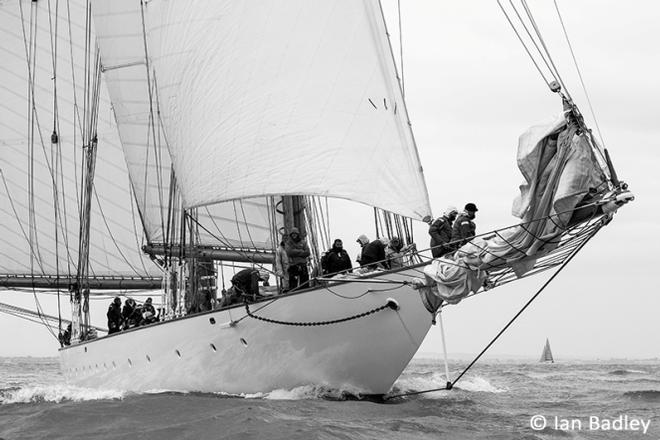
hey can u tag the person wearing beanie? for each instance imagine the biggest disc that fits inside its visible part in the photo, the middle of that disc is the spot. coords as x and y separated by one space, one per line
441 232
373 252
298 252
464 228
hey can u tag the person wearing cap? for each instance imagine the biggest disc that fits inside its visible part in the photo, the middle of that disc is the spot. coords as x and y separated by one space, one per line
440 231
373 252
114 316
298 253
336 259
464 228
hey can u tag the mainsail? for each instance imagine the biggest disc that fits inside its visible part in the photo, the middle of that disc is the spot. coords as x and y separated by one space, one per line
259 99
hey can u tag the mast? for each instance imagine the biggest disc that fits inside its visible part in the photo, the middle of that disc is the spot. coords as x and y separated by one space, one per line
79 291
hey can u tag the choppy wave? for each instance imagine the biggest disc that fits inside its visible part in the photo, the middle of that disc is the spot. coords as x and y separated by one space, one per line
645 395
625 372
56 393
414 383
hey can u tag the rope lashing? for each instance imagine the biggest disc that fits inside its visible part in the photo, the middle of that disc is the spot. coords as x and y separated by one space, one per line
390 304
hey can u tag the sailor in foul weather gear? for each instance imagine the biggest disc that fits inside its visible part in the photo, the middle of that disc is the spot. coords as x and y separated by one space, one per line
464 228
114 316
441 232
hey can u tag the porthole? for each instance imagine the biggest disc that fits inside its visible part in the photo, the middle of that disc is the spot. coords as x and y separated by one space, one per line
212 320
85 349
178 353
244 342
213 347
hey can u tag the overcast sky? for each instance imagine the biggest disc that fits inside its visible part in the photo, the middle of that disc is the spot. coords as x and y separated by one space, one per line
471 91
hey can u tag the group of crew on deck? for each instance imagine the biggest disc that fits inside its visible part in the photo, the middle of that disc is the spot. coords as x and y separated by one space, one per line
448 233
131 315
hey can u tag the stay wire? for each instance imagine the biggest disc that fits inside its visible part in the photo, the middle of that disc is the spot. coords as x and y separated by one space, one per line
451 384
577 67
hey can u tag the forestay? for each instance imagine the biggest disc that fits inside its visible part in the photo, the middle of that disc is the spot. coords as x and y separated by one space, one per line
285 97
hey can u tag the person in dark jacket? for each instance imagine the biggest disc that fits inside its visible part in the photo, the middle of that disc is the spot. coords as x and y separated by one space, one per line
464 228
127 313
148 313
297 251
246 282
373 252
441 232
114 316
336 259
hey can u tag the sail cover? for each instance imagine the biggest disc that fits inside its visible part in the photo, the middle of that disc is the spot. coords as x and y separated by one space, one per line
267 98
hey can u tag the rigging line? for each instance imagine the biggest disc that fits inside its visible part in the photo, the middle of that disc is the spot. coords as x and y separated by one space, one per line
152 120
531 57
135 231
533 40
158 157
403 87
246 222
55 158
20 224
76 108
238 228
584 87
547 52
112 237
246 255
538 292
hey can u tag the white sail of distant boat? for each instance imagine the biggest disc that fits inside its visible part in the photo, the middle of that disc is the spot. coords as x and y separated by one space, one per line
546 356
154 145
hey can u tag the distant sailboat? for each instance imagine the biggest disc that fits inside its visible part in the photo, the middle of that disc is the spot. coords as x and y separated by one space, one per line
546 356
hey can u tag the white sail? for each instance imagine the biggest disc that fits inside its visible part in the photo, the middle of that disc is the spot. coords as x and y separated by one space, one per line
285 97
546 356
34 182
136 105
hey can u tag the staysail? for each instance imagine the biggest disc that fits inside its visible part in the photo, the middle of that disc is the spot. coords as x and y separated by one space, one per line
285 97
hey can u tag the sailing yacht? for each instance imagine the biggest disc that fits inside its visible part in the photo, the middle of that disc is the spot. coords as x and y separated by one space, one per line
168 141
546 356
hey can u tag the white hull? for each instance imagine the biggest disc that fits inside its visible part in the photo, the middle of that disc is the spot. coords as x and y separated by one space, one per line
364 355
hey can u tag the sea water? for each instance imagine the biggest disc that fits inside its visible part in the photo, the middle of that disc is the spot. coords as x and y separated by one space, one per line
494 400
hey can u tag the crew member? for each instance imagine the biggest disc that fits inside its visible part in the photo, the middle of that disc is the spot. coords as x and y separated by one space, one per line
114 316
441 232
464 228
298 252
336 259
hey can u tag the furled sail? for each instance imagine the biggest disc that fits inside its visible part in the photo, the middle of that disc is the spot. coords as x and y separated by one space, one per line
44 51
285 97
